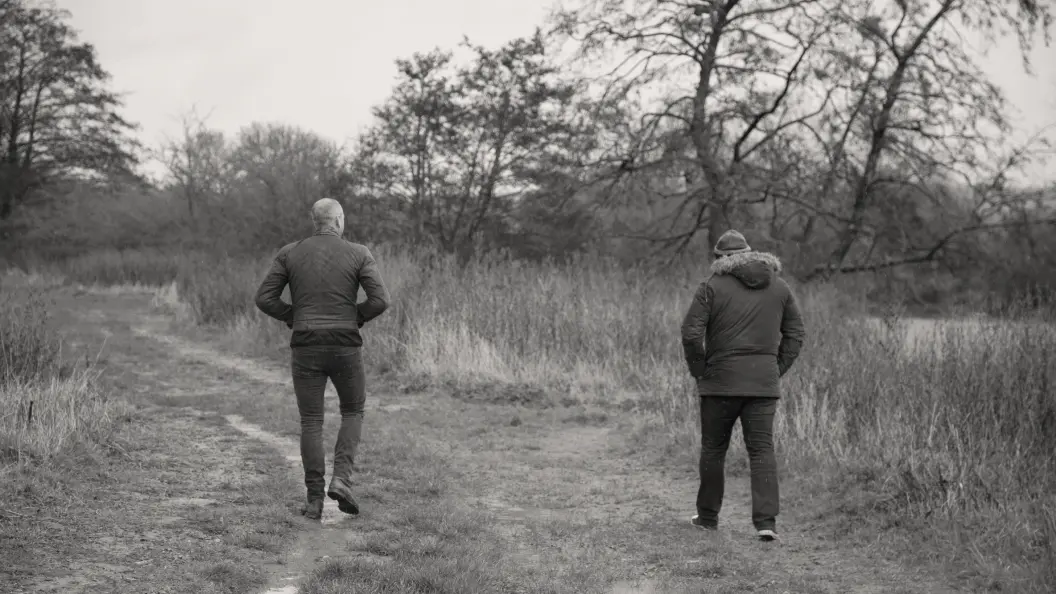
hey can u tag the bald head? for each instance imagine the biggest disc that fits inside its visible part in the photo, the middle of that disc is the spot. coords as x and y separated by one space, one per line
327 215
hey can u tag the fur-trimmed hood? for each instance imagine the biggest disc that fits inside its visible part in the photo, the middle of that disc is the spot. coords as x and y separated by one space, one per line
755 270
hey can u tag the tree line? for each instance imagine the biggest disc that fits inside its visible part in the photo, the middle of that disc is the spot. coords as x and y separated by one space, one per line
849 136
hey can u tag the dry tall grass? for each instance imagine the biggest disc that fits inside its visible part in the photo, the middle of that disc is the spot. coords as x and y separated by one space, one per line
959 431
48 407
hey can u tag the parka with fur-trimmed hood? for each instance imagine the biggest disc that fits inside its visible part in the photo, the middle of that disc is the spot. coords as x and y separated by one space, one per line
743 330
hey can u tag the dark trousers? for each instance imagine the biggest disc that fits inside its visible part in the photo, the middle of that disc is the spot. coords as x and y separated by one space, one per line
311 367
717 416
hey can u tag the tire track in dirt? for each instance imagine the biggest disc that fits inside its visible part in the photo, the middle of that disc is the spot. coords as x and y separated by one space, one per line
333 537
289 450
315 546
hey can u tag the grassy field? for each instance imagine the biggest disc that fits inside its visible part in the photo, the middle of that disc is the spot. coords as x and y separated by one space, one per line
900 425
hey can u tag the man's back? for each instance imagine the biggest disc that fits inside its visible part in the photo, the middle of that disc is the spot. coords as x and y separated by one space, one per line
747 305
324 273
748 321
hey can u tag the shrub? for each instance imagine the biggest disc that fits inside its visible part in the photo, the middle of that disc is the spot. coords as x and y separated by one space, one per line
28 348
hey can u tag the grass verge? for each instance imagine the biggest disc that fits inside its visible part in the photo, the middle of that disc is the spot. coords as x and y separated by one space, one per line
51 407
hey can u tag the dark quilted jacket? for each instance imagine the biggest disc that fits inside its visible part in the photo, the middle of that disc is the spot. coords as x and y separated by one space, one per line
324 273
743 330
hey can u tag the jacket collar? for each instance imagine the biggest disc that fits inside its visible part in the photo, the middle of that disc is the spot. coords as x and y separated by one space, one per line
727 264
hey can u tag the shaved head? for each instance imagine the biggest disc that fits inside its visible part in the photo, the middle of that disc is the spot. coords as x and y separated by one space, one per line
327 214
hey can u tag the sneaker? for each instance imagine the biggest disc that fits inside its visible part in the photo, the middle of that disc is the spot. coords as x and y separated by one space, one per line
340 492
766 535
696 521
313 510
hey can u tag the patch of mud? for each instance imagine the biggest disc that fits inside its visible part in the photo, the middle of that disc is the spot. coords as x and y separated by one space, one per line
506 512
576 442
397 407
568 474
188 502
642 586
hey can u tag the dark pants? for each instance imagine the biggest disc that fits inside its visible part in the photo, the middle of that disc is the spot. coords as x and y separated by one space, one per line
312 366
717 416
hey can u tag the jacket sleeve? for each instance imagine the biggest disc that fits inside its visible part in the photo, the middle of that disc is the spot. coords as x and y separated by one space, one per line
269 295
377 300
792 335
695 328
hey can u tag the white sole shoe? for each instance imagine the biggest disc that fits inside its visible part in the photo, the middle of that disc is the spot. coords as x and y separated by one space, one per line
695 520
766 535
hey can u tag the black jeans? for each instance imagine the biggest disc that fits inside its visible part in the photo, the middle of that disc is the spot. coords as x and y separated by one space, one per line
311 367
717 416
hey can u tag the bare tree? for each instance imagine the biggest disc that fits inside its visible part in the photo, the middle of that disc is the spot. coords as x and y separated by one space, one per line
749 70
797 116
912 122
198 163
920 113
280 171
56 115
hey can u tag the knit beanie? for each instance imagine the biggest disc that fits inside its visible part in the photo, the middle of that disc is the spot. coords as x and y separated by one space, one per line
731 242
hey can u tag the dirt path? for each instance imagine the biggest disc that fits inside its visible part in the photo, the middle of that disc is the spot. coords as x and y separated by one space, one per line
181 503
571 507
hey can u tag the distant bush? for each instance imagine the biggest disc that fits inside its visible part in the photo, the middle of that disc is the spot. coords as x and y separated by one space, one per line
126 267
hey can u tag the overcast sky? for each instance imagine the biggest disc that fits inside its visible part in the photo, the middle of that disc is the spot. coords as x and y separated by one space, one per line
325 63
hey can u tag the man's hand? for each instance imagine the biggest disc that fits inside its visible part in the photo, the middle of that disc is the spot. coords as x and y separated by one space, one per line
792 336
269 295
695 328
377 295
696 365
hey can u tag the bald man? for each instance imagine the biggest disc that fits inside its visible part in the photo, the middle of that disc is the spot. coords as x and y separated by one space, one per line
324 273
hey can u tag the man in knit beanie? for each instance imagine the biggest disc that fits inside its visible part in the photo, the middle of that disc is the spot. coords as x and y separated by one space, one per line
742 333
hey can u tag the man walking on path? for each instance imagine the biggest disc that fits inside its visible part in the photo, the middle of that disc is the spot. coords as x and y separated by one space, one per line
324 273
741 334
